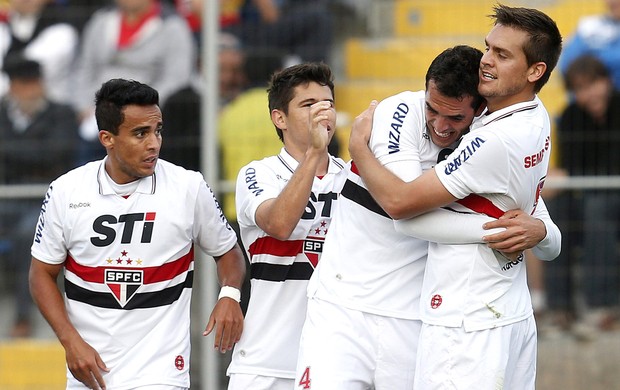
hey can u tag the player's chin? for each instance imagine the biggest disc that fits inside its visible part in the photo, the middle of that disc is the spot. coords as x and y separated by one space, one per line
444 142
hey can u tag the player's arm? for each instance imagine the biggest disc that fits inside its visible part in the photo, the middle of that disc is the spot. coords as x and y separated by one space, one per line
227 314
514 232
83 361
523 231
279 216
399 199
447 227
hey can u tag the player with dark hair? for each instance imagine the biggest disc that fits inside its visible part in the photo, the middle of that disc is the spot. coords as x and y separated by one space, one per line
284 209
123 229
478 327
363 318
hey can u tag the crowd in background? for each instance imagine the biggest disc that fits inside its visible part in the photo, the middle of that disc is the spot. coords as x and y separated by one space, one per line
54 54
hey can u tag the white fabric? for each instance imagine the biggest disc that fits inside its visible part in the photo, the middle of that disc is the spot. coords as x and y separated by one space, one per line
470 284
431 227
55 48
500 358
279 270
368 265
128 284
258 382
377 353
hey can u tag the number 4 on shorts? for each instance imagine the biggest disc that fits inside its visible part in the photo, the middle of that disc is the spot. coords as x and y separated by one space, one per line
304 382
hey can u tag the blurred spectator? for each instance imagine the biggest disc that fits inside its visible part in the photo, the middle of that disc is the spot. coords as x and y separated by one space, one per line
232 77
245 127
182 110
300 30
38 140
588 144
143 40
598 35
77 12
38 30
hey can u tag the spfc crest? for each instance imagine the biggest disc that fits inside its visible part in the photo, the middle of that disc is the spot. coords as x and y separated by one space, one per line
313 247
123 283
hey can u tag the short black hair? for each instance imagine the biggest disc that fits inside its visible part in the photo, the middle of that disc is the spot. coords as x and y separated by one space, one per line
455 72
114 95
18 67
545 43
282 85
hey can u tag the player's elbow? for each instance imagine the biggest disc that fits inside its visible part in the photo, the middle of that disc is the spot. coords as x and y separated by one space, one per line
397 208
279 231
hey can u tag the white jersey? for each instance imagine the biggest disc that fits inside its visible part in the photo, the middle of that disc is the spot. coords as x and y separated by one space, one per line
504 158
367 265
279 270
129 265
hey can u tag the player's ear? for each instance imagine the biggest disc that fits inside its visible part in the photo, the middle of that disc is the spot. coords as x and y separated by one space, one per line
536 71
278 119
106 138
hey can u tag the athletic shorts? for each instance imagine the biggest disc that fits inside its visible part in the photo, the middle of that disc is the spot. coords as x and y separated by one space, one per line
500 358
258 382
343 349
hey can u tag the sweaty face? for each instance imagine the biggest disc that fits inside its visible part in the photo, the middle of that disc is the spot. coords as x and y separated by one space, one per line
503 68
133 153
446 118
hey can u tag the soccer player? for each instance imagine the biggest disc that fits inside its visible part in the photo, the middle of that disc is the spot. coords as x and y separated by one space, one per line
123 230
284 209
363 315
478 326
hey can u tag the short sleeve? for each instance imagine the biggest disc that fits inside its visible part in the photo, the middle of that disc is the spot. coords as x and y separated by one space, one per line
480 165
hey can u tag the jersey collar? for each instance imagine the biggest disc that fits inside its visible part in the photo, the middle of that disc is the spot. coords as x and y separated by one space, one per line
485 119
146 185
291 164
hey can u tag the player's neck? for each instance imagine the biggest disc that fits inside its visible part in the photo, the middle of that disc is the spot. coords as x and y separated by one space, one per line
497 103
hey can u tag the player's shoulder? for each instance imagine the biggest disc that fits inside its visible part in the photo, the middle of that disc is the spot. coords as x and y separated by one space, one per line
176 173
268 163
81 174
400 107
406 97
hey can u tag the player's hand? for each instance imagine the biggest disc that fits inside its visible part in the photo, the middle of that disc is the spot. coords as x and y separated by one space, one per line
522 232
322 121
227 320
85 364
361 129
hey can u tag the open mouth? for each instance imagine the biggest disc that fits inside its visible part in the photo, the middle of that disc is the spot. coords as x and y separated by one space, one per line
446 134
488 76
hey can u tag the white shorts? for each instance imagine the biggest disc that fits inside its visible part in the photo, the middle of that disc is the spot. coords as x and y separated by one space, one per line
500 358
343 349
258 382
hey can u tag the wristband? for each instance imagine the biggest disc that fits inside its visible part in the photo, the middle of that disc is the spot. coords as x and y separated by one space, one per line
230 292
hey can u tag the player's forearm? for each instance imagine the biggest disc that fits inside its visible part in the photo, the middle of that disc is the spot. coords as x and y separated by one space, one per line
550 246
47 297
231 268
446 227
280 216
